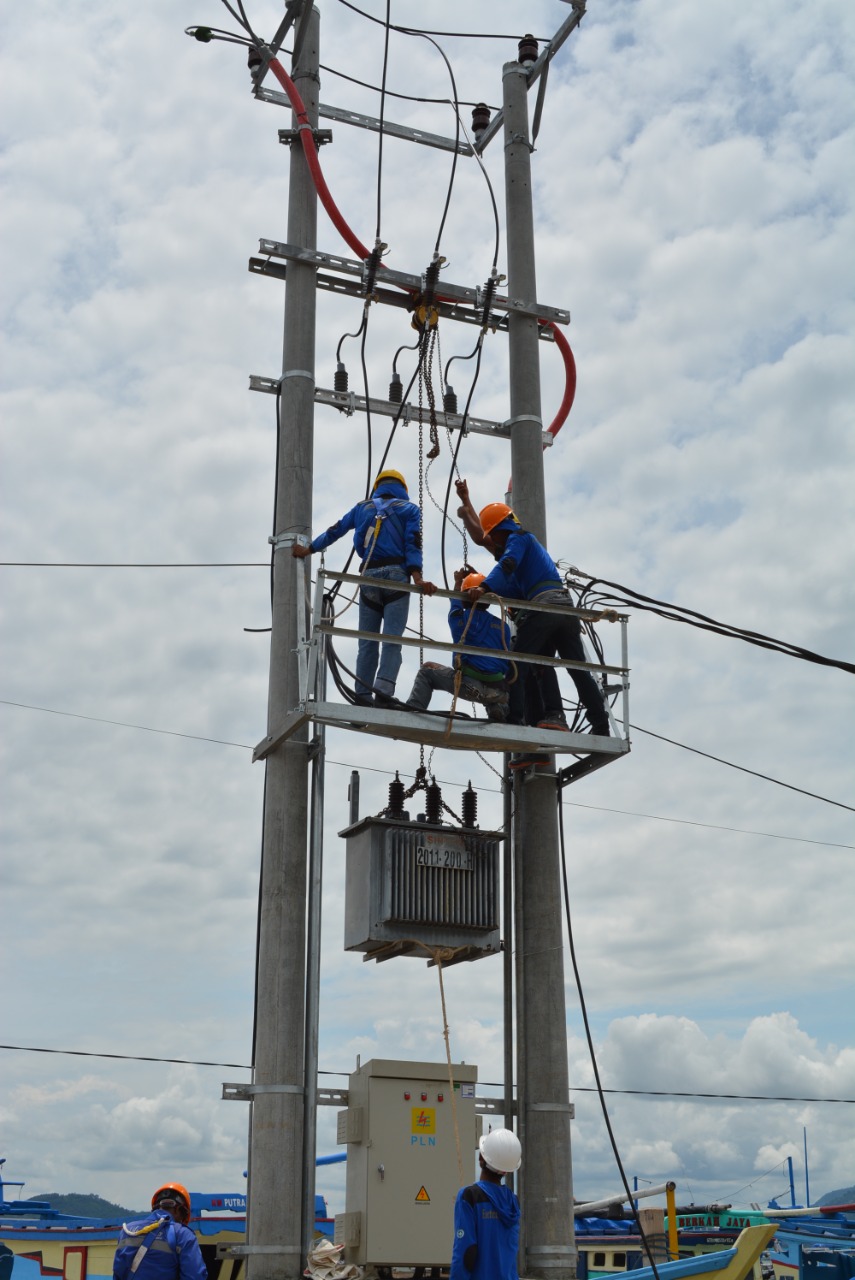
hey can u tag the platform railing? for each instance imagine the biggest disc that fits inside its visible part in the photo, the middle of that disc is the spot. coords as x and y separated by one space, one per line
315 629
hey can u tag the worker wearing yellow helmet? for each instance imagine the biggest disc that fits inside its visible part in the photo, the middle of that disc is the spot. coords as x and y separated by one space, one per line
161 1245
478 678
387 538
526 571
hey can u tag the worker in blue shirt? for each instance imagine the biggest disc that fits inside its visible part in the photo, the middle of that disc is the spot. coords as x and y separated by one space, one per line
387 538
526 571
161 1246
479 678
487 1215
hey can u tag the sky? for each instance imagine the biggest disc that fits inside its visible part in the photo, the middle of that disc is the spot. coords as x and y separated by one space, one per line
693 181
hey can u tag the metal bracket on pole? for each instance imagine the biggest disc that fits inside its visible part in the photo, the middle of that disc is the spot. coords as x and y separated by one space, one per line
293 9
538 109
349 403
333 1097
246 1092
320 136
454 294
284 541
523 417
536 70
248 1250
361 121
565 1108
494 1107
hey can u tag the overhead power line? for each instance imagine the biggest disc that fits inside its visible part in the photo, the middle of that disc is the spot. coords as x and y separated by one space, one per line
123 724
742 768
655 817
630 599
244 1066
422 31
112 564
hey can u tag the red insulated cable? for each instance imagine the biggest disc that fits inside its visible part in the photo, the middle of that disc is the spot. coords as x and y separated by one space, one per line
350 237
305 131
569 384
569 378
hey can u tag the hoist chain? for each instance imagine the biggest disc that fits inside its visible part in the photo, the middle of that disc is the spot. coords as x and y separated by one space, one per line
419 784
433 452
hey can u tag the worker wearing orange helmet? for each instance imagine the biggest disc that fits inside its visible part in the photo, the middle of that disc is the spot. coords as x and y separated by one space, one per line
161 1245
387 538
526 571
481 679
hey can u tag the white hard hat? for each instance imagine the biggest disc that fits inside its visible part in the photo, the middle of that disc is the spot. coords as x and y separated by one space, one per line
501 1151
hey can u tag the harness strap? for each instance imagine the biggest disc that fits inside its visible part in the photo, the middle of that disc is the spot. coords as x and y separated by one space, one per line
153 1231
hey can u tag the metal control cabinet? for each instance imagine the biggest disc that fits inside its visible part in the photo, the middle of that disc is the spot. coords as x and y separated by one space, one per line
402 1171
410 886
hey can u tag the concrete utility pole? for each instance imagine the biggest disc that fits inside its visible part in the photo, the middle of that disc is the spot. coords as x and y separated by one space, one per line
546 1188
275 1192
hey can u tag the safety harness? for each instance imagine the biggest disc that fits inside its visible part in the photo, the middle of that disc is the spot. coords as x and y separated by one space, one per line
152 1230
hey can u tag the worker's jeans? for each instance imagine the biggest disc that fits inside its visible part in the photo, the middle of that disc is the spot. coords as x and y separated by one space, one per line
433 676
384 611
550 634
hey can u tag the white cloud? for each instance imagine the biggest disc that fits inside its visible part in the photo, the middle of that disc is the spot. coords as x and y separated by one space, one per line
693 194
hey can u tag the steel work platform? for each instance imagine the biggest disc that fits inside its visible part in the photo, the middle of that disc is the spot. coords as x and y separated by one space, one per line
437 728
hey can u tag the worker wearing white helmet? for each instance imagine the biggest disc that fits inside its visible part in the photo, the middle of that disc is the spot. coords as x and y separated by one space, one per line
487 1214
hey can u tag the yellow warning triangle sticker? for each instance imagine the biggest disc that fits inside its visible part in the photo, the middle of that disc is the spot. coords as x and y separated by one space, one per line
422 1197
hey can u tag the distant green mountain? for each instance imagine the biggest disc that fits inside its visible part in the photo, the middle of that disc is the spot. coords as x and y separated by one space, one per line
91 1206
846 1195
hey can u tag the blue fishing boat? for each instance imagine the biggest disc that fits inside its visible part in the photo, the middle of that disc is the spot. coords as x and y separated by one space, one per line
37 1240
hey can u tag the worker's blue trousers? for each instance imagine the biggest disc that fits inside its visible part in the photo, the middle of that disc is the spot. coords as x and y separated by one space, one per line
384 611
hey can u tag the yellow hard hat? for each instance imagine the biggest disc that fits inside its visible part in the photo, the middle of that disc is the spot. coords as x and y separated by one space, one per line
471 580
390 475
494 513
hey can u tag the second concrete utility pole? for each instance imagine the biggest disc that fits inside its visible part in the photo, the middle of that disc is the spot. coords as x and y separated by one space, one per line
544 1110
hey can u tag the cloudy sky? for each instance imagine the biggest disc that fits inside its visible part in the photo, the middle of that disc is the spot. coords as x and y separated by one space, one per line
693 188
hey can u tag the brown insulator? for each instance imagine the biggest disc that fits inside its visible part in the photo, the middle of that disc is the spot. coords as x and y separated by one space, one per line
340 377
396 798
470 807
433 802
527 50
396 389
480 119
449 400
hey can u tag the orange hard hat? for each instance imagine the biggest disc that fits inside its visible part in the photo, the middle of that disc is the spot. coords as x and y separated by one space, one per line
175 1191
494 513
390 475
471 580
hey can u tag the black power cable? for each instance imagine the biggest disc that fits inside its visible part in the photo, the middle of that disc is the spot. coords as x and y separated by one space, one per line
244 1066
390 93
678 613
419 31
381 131
742 769
590 1040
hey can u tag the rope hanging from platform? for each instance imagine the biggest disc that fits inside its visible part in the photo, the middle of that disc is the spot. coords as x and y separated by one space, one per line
437 955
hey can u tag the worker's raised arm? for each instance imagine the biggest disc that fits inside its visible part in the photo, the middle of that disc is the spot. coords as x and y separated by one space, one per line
469 516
